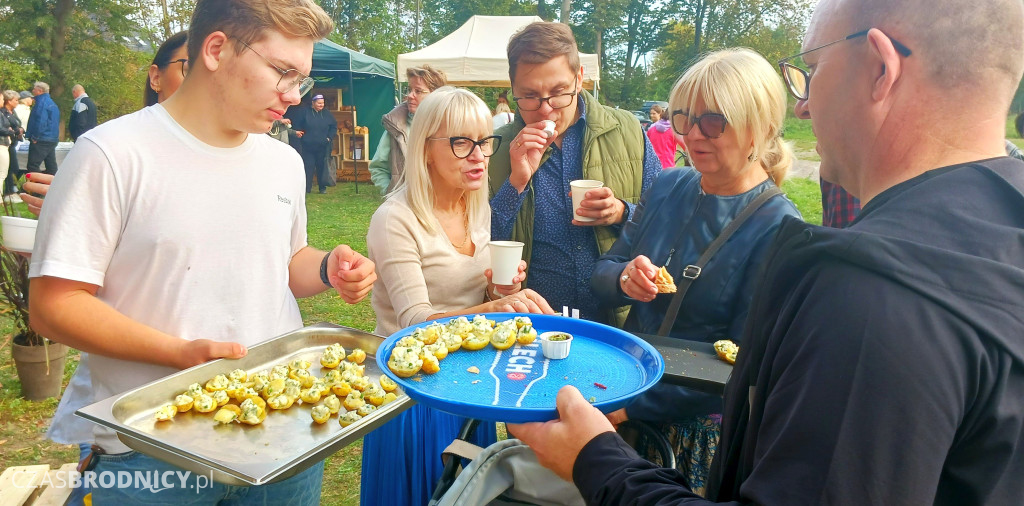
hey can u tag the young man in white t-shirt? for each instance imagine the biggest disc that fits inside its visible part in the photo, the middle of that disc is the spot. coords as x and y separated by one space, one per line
148 276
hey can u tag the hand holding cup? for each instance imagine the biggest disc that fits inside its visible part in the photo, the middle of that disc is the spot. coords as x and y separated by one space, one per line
526 150
495 291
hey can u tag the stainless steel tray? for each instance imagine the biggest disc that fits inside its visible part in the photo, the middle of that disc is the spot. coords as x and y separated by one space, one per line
284 444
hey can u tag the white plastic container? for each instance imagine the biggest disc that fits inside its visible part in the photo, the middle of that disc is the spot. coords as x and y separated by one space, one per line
555 350
19 234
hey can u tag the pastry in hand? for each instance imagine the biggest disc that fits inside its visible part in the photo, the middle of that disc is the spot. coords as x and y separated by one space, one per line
664 281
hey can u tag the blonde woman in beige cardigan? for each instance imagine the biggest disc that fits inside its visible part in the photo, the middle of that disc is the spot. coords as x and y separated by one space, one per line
428 241
429 238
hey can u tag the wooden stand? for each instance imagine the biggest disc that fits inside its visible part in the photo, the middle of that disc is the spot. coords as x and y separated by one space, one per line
346 143
355 164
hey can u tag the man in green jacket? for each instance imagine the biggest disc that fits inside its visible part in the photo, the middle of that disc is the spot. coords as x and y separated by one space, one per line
531 171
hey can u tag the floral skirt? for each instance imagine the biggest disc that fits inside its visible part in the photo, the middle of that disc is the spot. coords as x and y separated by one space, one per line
694 443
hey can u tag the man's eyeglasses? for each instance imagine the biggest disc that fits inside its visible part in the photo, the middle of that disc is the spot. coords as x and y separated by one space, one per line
184 65
560 101
289 78
711 124
799 81
462 147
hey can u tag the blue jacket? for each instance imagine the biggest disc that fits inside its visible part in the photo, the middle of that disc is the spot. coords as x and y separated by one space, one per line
676 218
44 120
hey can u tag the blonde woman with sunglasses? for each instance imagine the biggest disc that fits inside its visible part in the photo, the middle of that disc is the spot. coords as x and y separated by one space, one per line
728 110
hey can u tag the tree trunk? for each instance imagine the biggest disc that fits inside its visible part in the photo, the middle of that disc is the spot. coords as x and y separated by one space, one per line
166 20
698 26
600 47
633 18
58 42
566 8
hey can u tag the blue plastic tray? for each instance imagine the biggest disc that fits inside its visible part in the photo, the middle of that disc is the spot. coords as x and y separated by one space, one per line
519 385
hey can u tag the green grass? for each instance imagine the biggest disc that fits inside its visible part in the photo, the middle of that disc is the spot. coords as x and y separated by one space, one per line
340 217
806 194
1011 130
799 132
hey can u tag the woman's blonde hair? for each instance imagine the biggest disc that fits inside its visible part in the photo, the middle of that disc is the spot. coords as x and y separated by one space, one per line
741 85
461 113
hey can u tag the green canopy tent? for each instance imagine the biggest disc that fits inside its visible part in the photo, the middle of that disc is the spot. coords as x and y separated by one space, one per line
366 82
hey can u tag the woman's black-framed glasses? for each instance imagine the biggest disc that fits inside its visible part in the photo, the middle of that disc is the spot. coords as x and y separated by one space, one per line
711 124
184 65
462 147
798 81
289 78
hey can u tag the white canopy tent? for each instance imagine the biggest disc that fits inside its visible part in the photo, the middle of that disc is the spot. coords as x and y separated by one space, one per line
476 53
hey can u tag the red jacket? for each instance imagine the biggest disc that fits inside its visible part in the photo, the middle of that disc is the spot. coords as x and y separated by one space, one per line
664 142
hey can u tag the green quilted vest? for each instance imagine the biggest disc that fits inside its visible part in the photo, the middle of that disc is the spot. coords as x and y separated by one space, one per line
613 153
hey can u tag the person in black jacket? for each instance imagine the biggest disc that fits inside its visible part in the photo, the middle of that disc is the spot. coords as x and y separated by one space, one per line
8 132
83 113
883 363
317 128
7 105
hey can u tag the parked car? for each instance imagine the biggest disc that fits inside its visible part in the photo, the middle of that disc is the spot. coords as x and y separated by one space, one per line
646 109
644 119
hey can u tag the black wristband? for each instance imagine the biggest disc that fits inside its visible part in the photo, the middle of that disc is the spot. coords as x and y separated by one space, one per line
323 270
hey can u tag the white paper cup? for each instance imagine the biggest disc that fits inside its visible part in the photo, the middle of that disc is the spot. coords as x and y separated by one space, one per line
505 257
555 350
579 188
19 234
549 128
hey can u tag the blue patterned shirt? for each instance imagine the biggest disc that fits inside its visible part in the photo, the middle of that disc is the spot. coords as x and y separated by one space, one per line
564 254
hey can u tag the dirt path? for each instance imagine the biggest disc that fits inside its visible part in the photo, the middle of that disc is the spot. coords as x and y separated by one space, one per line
805 168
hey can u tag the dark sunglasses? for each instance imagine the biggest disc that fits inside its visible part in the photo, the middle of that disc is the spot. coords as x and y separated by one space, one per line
711 124
798 81
462 147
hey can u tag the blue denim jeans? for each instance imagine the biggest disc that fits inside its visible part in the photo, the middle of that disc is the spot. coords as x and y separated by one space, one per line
78 493
302 489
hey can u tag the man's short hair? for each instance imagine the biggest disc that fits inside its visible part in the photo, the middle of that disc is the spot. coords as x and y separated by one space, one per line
248 20
433 78
10 95
541 42
41 86
78 87
963 43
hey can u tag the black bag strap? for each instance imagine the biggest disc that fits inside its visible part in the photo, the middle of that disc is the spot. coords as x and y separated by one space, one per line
691 272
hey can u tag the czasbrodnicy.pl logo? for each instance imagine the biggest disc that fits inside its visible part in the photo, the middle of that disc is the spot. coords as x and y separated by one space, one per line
154 481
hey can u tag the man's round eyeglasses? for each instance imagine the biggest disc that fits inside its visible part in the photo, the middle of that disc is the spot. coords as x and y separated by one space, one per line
184 65
289 78
560 101
798 81
462 147
711 124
